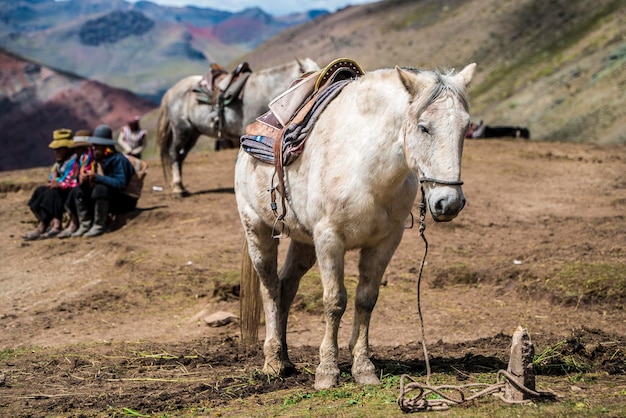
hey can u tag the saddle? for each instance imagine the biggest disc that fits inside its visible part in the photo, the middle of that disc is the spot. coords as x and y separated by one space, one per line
278 136
219 82
220 88
293 113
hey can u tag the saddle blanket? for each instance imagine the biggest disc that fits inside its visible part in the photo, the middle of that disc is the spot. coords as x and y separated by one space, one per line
294 135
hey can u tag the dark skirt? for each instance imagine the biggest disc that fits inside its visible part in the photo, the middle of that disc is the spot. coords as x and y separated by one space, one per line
47 204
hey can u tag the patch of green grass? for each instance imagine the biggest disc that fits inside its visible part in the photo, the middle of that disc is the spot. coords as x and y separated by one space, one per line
589 283
11 353
352 400
538 62
349 394
560 358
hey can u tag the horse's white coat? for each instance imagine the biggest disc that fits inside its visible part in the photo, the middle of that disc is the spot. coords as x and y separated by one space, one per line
182 119
353 187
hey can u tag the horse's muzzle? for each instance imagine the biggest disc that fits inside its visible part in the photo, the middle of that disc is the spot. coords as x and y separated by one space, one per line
445 203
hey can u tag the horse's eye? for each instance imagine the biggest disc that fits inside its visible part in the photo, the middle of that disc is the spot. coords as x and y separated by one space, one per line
423 129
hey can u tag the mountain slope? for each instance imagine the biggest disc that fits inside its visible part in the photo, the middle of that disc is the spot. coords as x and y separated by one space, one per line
555 66
139 46
35 100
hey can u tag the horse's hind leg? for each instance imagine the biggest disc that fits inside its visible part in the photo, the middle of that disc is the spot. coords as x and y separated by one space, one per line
300 258
177 175
277 292
372 265
178 154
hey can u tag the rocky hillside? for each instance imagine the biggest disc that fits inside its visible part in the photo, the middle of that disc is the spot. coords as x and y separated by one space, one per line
36 99
555 66
142 46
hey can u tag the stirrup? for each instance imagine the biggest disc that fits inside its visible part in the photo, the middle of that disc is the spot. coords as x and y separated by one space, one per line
284 229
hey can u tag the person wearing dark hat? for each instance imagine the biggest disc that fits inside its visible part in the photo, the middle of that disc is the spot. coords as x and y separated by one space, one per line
131 138
47 201
83 161
110 177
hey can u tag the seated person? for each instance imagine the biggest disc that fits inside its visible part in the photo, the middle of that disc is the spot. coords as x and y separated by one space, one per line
105 185
82 161
47 201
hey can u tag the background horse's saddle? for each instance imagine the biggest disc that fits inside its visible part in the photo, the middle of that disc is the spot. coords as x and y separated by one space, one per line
219 84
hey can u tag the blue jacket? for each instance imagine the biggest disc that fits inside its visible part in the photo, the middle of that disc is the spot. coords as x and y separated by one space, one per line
117 172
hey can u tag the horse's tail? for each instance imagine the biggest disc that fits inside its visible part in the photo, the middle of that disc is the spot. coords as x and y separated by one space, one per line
164 137
250 303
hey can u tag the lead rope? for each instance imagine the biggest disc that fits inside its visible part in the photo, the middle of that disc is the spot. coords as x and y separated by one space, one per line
420 402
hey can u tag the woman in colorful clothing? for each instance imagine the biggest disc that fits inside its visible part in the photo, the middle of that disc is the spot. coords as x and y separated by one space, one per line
47 201
82 162
131 138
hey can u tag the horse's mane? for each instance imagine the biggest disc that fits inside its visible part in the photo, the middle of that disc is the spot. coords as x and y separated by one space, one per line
443 83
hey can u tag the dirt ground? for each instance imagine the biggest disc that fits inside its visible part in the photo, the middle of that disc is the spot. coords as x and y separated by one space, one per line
90 326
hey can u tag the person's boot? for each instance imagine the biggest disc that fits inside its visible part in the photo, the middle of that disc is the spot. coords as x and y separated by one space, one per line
71 228
36 234
84 220
100 215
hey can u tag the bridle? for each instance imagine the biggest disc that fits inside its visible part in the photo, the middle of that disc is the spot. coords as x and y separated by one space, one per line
443 182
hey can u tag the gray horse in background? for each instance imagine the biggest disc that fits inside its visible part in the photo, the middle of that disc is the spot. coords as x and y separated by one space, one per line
182 118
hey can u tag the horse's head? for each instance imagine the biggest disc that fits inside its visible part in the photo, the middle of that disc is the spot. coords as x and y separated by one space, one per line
434 132
307 65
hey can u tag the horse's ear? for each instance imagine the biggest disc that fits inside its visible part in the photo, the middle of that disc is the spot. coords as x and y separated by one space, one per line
467 73
410 80
302 70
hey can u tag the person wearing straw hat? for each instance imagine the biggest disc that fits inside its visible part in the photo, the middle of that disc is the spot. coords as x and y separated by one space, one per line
47 201
83 161
110 177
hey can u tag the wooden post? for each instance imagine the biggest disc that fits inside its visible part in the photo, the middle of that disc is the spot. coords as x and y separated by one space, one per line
520 366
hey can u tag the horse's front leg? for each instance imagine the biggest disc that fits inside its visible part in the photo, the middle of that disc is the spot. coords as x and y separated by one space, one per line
372 265
177 156
330 255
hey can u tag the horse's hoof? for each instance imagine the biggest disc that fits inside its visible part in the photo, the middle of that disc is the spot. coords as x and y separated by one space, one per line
366 378
364 372
326 378
275 369
179 191
323 382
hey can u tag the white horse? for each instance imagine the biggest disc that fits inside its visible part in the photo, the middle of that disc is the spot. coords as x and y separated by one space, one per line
182 119
352 187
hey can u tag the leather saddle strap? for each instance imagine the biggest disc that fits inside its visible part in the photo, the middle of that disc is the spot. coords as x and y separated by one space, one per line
279 172
278 160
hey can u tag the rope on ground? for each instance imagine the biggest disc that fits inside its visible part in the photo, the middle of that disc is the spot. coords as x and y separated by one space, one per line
420 401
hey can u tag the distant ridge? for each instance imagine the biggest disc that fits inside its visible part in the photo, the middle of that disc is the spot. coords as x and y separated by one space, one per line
142 46
36 99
